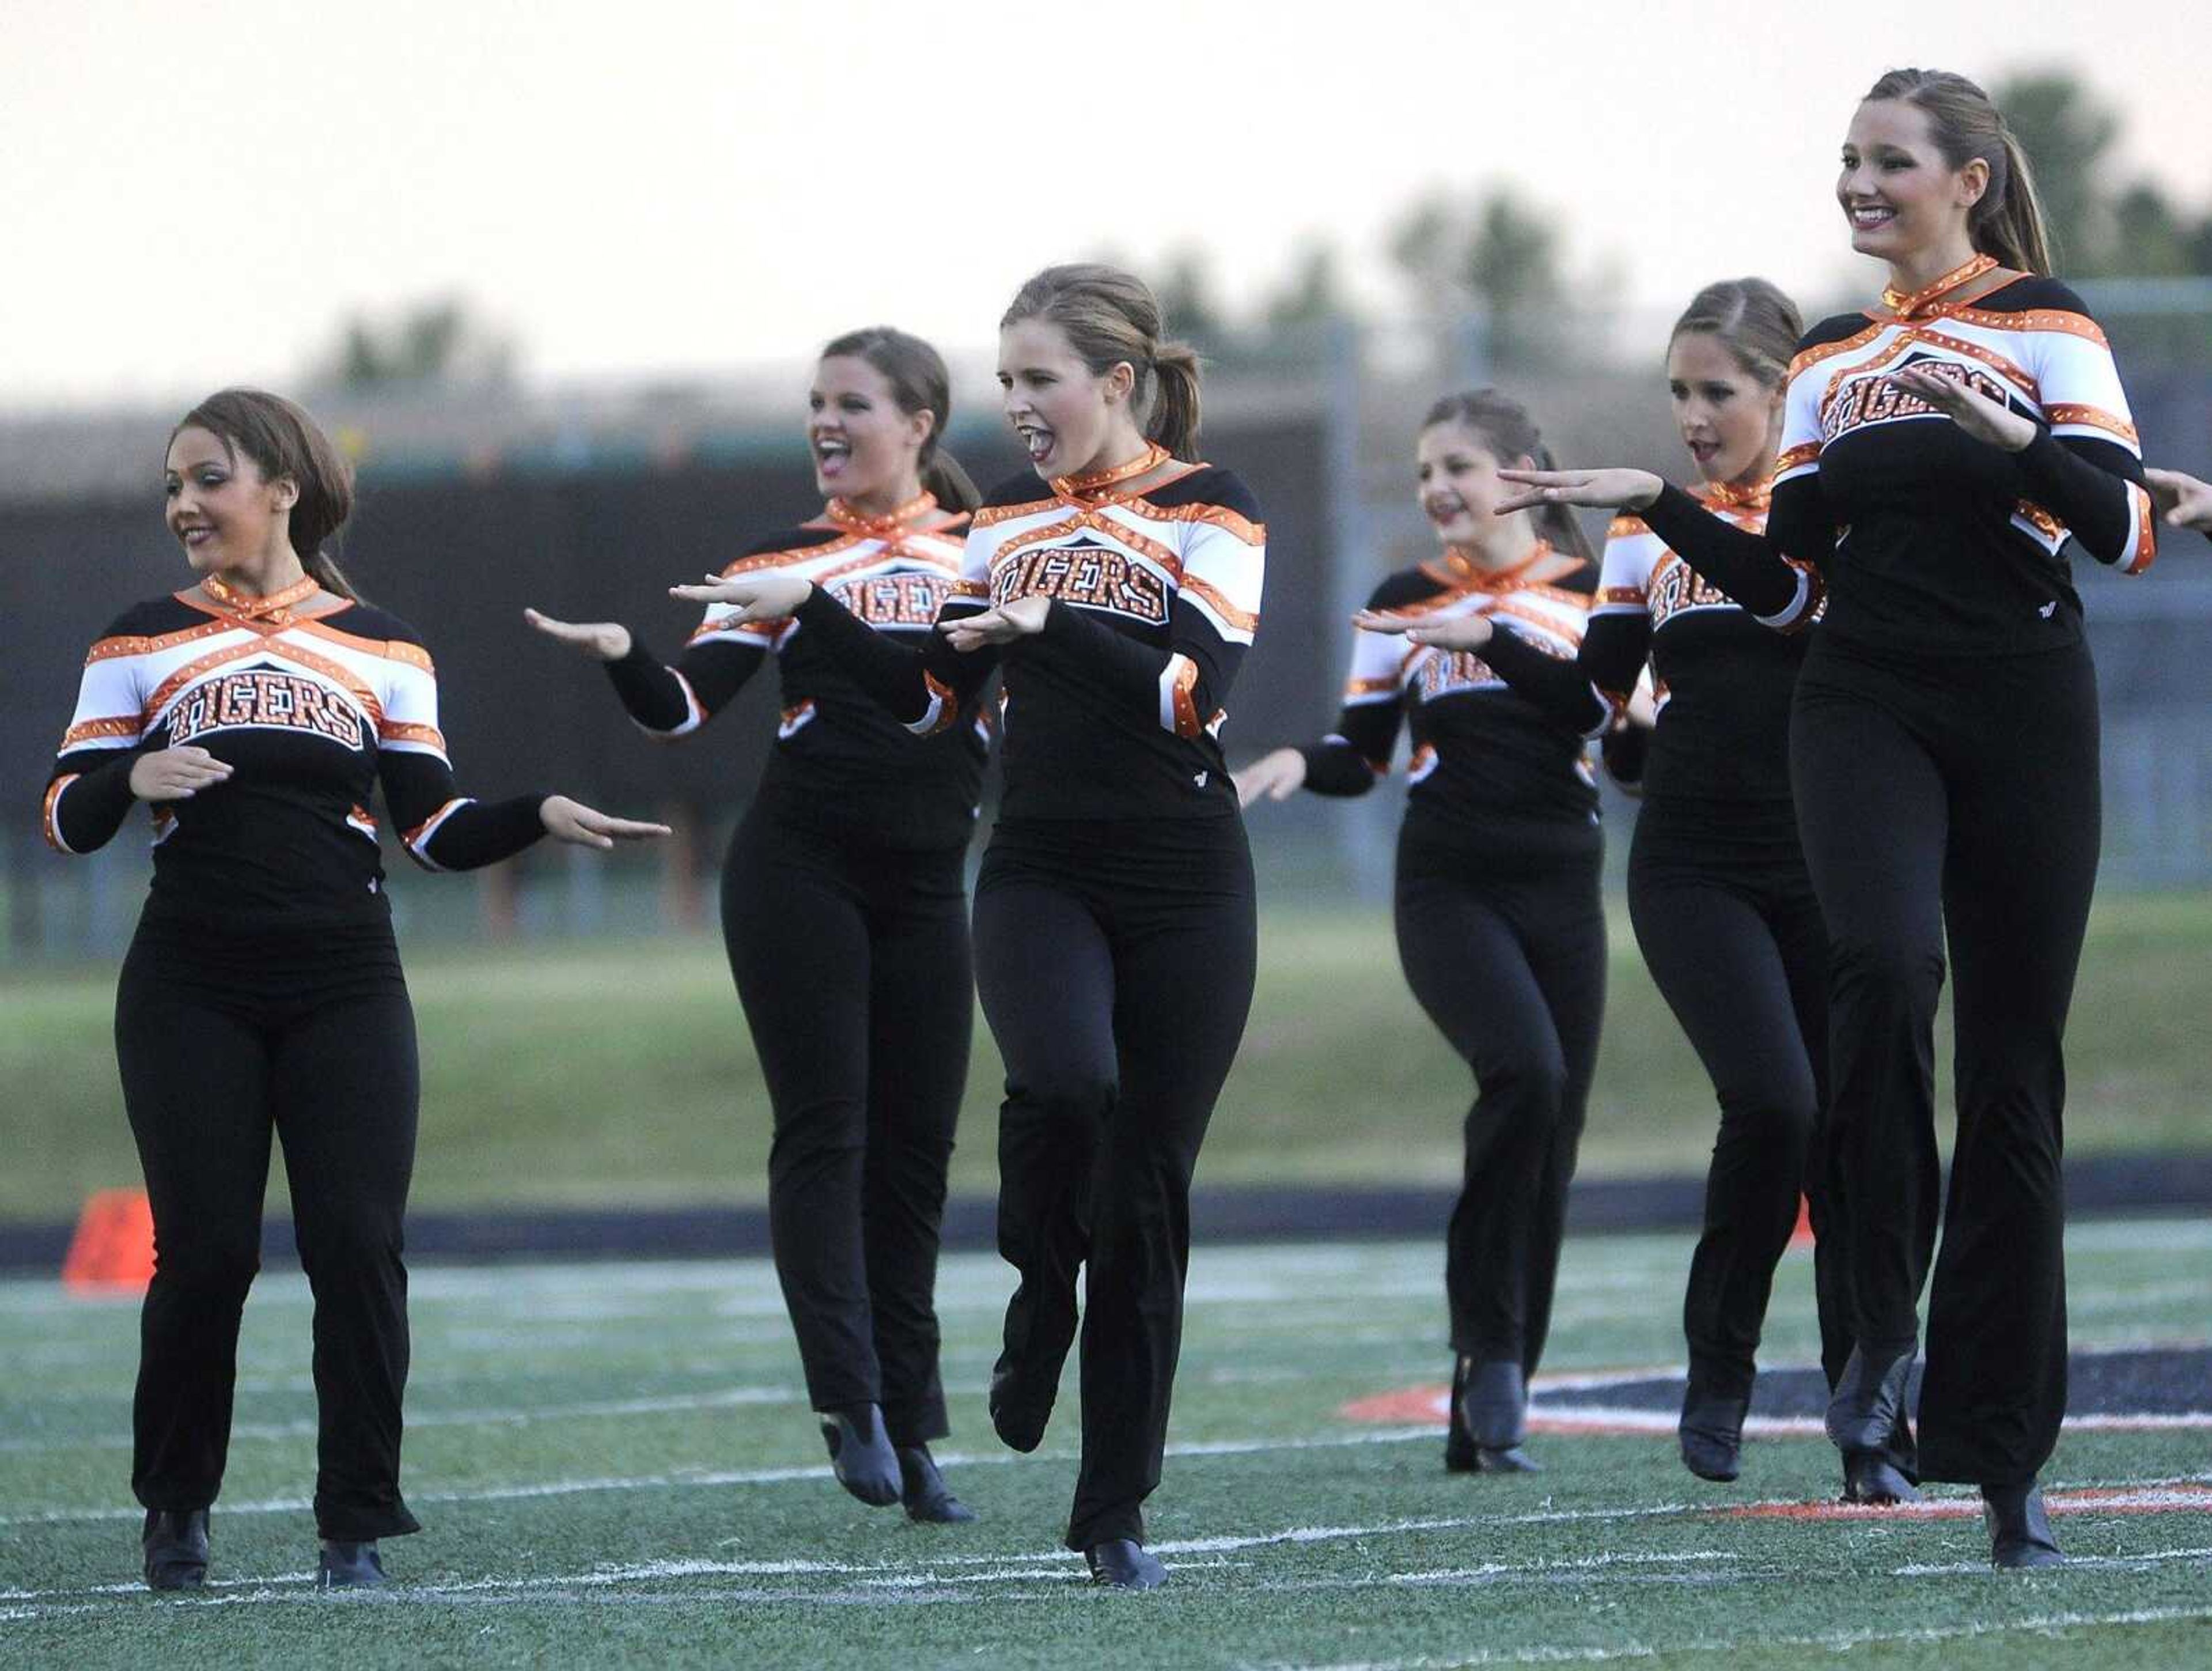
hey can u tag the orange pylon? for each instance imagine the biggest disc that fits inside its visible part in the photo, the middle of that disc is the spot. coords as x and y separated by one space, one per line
1803 1235
112 1251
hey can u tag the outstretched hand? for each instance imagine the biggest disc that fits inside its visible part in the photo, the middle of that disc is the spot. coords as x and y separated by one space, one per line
603 641
1608 489
1984 419
1453 632
1021 618
573 821
757 597
2185 502
1274 777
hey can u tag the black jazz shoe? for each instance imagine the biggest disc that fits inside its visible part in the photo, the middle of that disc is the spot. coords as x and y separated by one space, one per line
860 1454
176 1544
1021 1403
1864 1410
1493 1406
1711 1433
1124 1563
1872 1476
928 1499
2020 1529
350 1566
1459 1442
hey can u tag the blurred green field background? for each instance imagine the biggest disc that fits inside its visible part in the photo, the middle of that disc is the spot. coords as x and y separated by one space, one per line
619 1072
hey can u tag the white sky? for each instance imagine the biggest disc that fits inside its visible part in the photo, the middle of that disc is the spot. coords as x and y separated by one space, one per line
195 193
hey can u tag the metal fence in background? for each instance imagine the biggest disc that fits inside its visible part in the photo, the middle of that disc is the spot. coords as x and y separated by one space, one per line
588 501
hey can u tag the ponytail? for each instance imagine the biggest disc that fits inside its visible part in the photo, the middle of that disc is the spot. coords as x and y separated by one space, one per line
2008 222
1174 420
949 484
2012 229
1557 522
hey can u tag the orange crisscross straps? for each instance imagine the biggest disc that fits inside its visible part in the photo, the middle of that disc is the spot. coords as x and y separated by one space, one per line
888 525
271 606
1151 458
1905 307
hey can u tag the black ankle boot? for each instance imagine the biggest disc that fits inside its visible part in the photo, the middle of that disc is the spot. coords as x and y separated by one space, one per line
1711 1433
928 1499
349 1565
1124 1564
2020 1528
1872 1476
175 1542
1459 1442
860 1454
1021 1402
1494 1407
1868 1401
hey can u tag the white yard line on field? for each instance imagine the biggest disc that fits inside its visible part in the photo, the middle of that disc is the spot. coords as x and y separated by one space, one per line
1833 1641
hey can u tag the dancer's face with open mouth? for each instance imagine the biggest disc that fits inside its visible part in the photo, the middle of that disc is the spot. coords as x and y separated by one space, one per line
1070 419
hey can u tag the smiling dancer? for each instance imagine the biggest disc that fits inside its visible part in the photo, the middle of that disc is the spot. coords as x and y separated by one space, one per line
844 906
1115 929
1498 921
1723 910
1937 452
254 712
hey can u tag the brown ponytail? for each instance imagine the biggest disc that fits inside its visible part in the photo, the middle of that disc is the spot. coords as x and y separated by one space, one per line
284 442
1110 317
1507 433
2008 222
1751 318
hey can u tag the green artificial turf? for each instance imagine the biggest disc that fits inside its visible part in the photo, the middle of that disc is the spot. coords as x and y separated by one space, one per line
614 1462
620 1072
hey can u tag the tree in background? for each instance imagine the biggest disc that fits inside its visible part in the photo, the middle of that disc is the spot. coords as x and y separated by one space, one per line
1312 294
442 342
1502 254
1189 302
2101 231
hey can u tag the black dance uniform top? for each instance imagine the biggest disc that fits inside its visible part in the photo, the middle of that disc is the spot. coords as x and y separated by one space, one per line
310 708
1721 681
1928 541
841 763
1491 769
1112 711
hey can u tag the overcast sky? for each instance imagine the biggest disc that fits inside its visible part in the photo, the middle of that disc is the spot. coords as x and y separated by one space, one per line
195 193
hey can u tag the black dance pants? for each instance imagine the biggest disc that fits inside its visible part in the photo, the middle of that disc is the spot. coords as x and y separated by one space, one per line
223 1039
1507 955
1954 799
1115 962
852 964
1725 915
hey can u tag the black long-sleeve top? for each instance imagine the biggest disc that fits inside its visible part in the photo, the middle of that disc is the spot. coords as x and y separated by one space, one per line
841 762
1113 710
312 708
1493 770
1722 682
1928 541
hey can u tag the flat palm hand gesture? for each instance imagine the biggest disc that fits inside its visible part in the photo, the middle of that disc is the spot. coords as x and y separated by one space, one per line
1455 632
1984 419
2187 502
1609 489
757 597
573 821
1002 625
603 641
